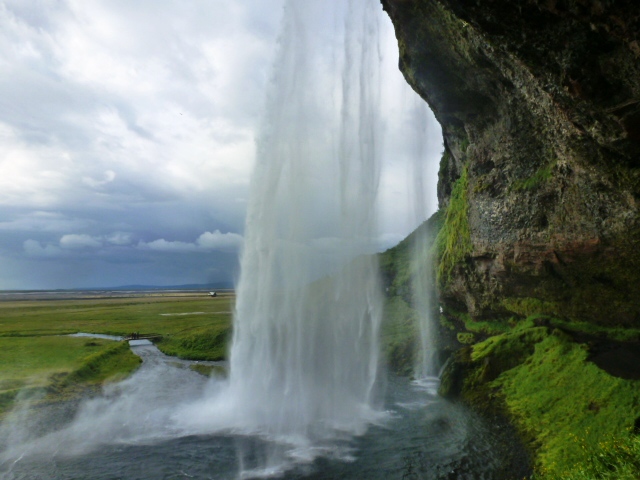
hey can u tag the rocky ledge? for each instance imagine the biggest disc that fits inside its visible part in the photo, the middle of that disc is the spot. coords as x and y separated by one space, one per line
539 103
536 243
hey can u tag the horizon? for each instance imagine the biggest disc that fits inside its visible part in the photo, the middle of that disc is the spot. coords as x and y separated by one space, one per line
142 176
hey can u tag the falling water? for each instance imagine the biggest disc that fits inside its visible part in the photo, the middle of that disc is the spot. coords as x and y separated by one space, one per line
425 364
304 378
304 357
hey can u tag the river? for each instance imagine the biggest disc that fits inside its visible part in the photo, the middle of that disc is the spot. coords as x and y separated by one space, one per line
129 432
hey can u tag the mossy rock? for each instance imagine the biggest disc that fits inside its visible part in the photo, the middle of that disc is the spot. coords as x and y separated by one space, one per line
466 338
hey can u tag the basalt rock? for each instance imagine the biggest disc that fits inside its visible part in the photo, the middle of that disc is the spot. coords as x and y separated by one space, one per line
539 102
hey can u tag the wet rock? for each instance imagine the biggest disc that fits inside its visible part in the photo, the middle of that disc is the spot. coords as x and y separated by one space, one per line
540 107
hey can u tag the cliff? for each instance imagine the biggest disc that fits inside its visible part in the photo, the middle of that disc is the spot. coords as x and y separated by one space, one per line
539 103
537 258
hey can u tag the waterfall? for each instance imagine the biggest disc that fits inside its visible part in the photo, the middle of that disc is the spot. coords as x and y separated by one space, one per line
304 356
426 368
304 359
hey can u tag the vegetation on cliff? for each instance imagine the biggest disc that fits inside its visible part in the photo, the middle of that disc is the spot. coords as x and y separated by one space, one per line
538 260
579 420
453 241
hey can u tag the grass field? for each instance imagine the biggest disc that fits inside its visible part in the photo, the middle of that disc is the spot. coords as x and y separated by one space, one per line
34 356
116 316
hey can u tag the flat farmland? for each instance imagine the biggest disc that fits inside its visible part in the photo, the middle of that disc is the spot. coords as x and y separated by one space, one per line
36 354
162 315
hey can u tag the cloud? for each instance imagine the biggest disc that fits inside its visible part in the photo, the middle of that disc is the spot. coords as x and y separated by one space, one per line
119 238
109 176
208 241
33 248
123 121
79 241
162 245
219 241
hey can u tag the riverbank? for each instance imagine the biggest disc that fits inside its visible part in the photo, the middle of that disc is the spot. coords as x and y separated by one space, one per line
41 363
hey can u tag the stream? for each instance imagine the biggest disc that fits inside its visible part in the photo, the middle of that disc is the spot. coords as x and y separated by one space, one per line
130 432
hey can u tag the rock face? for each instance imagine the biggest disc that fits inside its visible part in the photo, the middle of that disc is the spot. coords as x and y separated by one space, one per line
539 102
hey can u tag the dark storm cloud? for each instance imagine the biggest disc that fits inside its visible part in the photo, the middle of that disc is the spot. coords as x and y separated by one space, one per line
127 137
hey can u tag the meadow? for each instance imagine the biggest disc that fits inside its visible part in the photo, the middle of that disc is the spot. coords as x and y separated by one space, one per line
37 359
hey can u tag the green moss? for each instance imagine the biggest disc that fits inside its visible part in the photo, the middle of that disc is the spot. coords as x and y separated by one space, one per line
453 242
466 338
616 458
534 181
527 306
446 323
483 327
578 420
483 184
464 144
563 403
444 166
614 333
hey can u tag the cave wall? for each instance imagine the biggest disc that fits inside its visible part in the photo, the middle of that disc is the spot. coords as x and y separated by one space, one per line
539 103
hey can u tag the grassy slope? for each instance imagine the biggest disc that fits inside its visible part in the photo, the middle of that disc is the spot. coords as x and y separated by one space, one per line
578 419
59 367
399 325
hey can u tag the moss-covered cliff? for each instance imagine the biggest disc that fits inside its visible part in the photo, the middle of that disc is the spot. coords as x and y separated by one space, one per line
539 102
537 259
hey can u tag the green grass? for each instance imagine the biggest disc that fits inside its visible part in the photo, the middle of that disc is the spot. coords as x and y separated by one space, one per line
36 358
201 343
111 364
59 367
31 360
111 316
578 418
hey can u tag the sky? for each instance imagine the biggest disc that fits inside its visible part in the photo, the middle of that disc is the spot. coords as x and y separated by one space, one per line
128 133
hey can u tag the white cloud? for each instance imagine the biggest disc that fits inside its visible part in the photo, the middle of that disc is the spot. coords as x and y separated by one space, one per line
79 241
162 245
119 238
208 241
219 241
